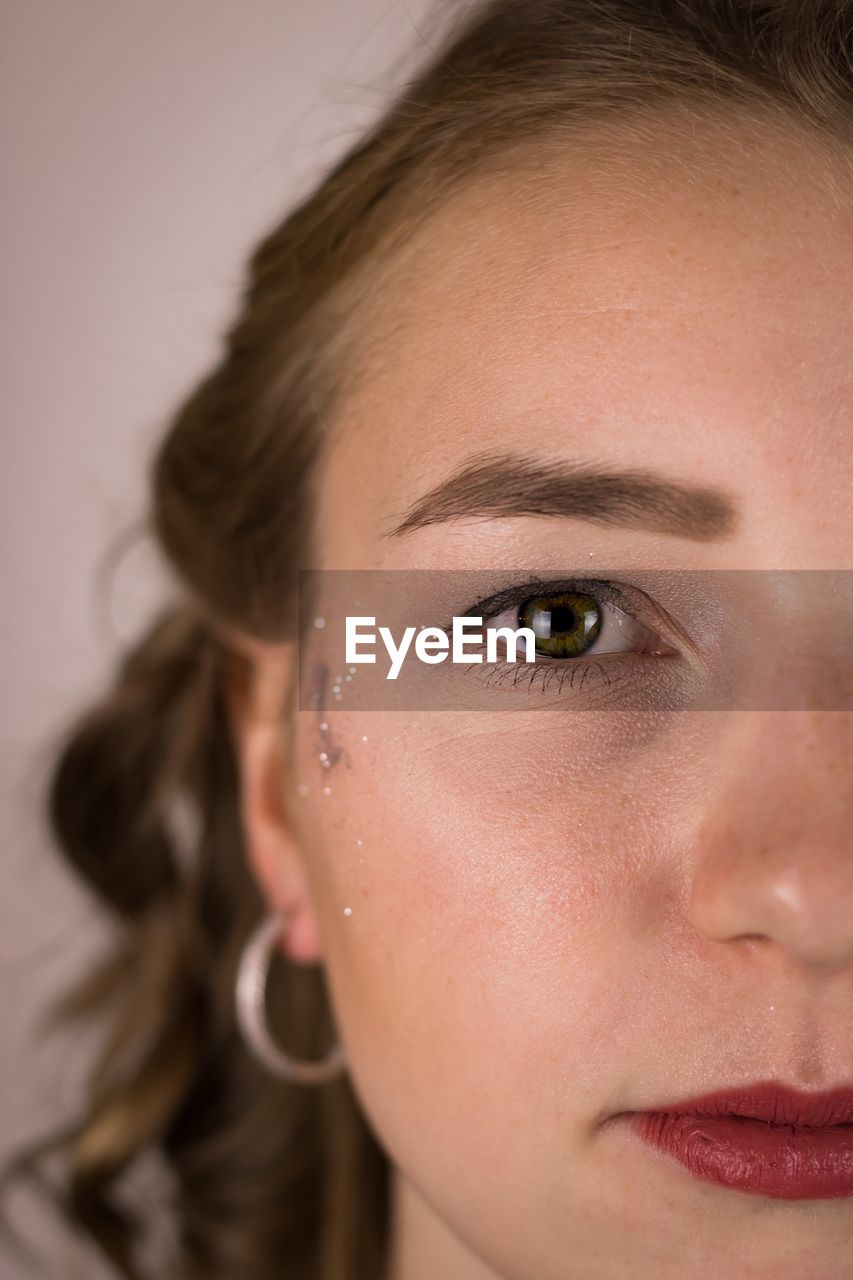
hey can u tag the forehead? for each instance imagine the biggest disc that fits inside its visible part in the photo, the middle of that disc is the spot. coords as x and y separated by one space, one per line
678 299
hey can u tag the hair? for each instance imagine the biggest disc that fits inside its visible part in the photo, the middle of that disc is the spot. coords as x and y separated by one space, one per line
270 1178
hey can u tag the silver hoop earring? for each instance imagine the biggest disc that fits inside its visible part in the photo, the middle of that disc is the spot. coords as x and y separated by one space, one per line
251 1012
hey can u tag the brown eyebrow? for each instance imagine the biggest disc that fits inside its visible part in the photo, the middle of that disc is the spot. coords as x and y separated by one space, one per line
513 485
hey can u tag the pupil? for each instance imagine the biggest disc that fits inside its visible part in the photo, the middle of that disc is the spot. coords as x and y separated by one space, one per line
562 619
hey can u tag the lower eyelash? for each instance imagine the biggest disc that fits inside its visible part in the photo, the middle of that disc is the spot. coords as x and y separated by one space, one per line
545 673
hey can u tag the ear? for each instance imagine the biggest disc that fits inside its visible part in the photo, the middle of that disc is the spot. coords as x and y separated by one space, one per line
257 681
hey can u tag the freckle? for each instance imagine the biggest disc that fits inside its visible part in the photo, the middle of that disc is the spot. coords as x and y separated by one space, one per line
327 791
347 911
319 623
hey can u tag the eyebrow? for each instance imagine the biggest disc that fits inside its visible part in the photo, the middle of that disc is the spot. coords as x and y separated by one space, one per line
515 485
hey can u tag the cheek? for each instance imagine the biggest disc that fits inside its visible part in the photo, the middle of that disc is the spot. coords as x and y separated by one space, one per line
497 882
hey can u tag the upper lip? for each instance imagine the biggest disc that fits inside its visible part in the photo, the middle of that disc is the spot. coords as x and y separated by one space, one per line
772 1102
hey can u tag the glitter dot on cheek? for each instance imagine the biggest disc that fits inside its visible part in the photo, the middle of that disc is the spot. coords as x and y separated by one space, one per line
327 791
347 911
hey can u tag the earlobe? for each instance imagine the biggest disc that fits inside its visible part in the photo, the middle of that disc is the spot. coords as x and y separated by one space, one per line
256 691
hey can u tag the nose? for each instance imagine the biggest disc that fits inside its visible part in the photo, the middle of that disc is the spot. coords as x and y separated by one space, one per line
774 860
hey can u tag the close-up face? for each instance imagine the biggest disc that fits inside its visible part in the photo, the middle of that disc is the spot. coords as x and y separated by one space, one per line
538 919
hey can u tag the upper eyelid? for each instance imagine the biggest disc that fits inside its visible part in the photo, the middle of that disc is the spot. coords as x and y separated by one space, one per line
606 605
597 588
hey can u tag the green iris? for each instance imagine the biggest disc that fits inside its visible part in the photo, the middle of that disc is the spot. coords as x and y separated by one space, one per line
564 624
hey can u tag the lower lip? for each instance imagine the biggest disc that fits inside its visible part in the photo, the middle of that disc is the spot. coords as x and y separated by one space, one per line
789 1162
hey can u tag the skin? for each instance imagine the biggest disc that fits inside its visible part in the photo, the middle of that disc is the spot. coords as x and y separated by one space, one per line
555 918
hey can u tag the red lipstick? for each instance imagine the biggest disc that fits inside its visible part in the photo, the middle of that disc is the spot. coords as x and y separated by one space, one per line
765 1138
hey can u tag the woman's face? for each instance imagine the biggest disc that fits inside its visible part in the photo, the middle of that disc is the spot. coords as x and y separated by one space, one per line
535 922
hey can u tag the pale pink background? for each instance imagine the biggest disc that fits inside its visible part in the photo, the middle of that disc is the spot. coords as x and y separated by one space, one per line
146 146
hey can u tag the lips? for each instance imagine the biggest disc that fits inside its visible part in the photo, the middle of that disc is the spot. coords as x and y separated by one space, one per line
767 1139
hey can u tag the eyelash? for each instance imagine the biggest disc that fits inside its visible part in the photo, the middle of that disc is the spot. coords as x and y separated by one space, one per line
548 670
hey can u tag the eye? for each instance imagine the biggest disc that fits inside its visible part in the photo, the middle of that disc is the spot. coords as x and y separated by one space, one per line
571 624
